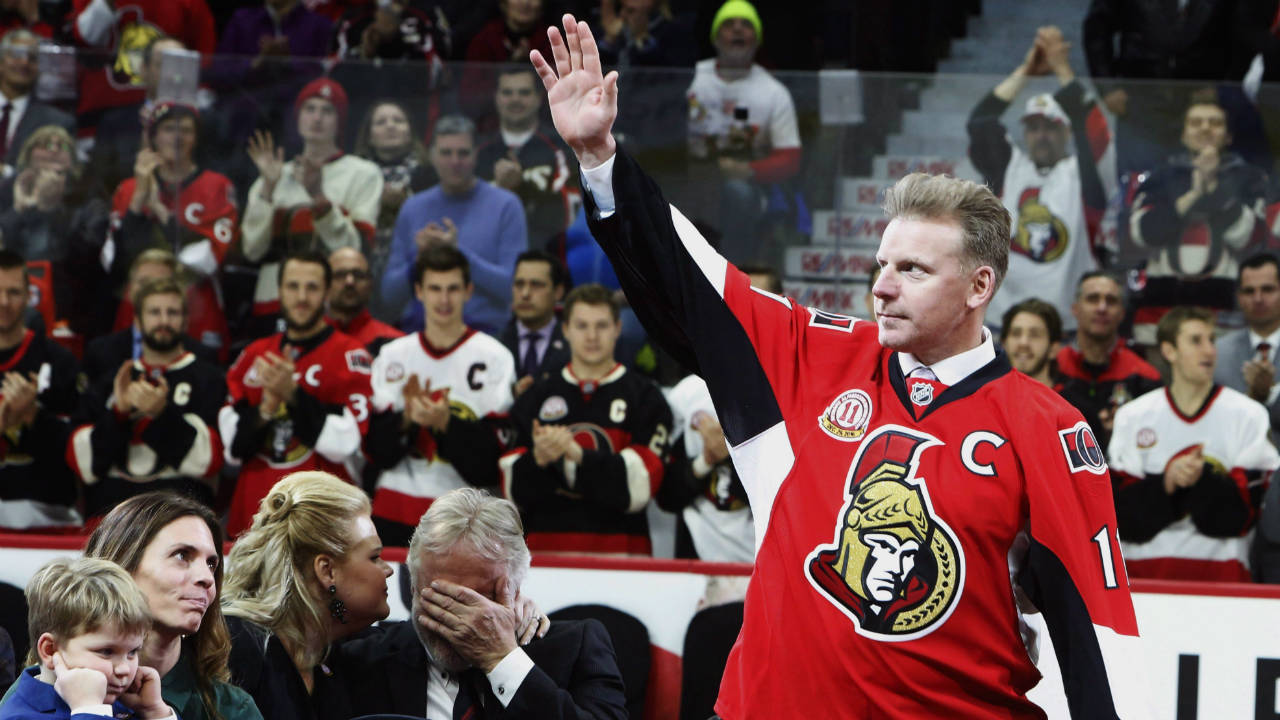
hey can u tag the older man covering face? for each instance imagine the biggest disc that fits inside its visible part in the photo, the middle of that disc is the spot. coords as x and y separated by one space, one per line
462 651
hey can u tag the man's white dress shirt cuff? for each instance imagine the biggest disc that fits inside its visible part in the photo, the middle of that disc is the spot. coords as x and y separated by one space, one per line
599 180
507 676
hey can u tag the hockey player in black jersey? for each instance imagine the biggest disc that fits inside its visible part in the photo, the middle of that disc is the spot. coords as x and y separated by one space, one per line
592 442
151 425
38 381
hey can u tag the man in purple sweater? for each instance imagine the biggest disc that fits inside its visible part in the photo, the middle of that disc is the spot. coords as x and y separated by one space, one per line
486 223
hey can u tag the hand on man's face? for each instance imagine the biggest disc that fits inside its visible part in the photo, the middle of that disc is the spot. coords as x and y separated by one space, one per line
479 630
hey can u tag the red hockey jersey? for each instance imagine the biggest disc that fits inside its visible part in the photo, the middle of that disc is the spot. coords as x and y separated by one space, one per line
899 550
320 430
204 226
115 38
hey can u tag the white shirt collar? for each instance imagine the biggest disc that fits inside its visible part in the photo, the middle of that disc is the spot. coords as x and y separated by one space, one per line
544 333
957 367
1273 339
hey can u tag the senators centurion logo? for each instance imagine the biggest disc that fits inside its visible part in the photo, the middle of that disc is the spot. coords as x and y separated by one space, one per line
894 567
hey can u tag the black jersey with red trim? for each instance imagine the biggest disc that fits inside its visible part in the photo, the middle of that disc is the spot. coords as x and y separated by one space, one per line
547 189
622 423
898 553
37 489
320 430
119 455
1093 388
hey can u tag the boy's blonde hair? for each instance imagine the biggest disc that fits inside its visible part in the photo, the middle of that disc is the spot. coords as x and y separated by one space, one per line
68 598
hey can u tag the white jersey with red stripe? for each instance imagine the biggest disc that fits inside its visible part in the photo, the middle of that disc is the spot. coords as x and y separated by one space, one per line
1201 532
900 549
353 187
477 373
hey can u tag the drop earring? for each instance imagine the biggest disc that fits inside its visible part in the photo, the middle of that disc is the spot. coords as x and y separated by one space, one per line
336 607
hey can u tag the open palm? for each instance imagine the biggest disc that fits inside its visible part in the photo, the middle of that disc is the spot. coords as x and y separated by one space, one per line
583 101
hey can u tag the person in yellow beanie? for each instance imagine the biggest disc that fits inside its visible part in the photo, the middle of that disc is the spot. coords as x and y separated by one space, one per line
742 129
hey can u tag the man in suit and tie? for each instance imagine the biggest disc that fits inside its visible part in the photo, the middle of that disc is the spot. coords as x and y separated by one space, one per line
20 114
460 657
533 335
1247 358
1247 361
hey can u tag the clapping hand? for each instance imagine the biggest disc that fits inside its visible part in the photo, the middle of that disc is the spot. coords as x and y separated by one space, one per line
149 399
20 393
278 385
583 101
507 172
437 234
268 158
1184 471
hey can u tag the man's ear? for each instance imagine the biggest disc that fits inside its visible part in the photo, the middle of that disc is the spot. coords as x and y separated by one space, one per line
559 292
982 287
471 288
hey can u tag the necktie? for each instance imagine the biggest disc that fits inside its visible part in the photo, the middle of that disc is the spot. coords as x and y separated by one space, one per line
4 128
529 364
923 386
467 705
1264 351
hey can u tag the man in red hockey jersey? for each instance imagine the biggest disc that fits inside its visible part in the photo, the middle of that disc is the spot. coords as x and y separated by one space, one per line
297 400
914 498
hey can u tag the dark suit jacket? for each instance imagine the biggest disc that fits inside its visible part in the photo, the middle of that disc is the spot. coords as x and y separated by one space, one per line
37 116
556 356
106 354
575 675
1234 350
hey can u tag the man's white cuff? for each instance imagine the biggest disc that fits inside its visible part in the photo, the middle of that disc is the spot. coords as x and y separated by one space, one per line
599 181
507 676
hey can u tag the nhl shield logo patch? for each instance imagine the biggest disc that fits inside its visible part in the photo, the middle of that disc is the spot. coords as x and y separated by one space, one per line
922 393
894 567
846 418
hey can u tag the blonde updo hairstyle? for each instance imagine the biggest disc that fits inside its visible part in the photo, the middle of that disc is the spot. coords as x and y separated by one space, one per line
271 579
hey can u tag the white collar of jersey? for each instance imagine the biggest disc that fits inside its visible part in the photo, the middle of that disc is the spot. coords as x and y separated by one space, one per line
618 371
183 360
518 139
957 367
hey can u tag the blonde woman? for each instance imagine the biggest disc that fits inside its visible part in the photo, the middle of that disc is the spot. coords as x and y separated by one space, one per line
307 573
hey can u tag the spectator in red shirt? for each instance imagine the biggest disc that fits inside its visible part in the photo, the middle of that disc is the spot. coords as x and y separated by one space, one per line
172 202
119 34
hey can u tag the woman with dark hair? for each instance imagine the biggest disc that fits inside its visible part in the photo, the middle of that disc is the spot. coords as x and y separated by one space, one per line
388 138
172 546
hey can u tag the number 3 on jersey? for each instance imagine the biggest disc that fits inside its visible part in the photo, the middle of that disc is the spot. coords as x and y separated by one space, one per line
360 406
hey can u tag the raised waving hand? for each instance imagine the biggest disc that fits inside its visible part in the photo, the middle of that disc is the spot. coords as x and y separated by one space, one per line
583 101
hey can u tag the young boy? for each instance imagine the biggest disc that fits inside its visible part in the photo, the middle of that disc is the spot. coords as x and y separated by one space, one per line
89 619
